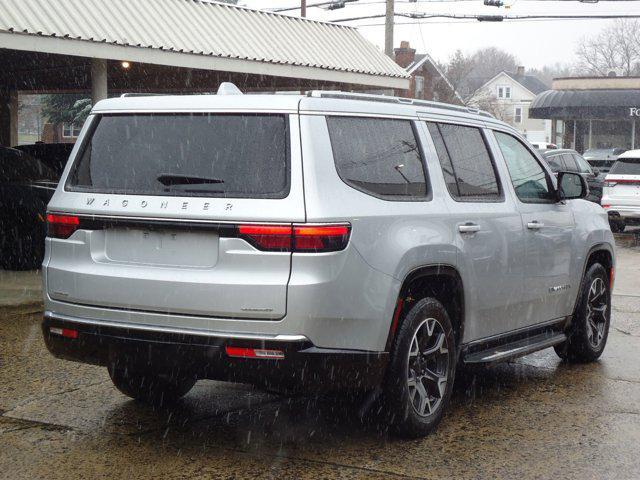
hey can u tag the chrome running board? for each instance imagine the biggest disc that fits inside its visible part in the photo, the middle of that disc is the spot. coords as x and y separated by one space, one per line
517 348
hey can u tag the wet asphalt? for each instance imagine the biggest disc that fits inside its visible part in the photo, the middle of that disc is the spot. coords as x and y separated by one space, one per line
535 417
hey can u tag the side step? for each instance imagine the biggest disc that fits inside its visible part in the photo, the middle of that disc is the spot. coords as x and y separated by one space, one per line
517 348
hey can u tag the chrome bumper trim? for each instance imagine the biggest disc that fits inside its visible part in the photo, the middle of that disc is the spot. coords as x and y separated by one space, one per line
179 331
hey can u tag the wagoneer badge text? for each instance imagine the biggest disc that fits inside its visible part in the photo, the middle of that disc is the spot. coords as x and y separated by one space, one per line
164 204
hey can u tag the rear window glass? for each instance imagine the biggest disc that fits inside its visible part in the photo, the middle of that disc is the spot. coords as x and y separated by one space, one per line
212 155
555 162
626 166
378 156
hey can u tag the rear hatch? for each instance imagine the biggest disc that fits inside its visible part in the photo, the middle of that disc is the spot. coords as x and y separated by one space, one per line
622 184
166 212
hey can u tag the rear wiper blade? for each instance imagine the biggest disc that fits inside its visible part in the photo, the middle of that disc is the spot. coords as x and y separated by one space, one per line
168 179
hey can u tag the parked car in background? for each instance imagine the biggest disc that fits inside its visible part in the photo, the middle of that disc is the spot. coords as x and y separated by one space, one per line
53 155
185 243
621 195
571 161
602 158
26 186
544 145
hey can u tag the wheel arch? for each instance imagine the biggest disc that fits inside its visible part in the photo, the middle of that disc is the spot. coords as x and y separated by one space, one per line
437 281
602 253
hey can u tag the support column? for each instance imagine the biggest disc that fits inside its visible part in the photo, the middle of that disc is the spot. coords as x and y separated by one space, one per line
633 134
8 118
98 80
590 131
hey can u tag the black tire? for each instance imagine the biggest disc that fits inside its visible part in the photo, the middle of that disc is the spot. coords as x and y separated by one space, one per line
400 398
151 387
617 226
589 330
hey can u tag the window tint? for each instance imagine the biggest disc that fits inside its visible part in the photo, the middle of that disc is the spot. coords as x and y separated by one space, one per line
626 166
465 161
555 162
186 154
570 163
378 156
530 181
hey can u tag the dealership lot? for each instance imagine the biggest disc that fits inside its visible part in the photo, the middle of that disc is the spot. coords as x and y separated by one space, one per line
531 418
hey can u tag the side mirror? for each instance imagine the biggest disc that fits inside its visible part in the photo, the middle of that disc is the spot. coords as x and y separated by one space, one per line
571 186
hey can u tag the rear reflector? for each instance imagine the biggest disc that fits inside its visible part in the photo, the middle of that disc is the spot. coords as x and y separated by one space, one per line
61 226
299 238
241 352
64 332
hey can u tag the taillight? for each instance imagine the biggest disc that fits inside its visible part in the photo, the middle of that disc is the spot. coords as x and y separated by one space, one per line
320 238
299 238
61 226
242 352
273 238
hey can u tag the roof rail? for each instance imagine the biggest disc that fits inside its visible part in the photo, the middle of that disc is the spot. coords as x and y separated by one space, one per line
135 94
400 100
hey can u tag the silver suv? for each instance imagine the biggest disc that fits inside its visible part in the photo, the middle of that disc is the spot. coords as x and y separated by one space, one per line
322 241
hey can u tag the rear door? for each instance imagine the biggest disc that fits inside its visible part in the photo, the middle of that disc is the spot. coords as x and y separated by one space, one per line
548 228
175 211
488 230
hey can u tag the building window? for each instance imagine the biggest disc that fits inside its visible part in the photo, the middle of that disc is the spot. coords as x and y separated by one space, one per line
70 131
419 93
517 116
504 91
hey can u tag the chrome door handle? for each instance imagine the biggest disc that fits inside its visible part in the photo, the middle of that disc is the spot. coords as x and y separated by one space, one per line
469 228
535 225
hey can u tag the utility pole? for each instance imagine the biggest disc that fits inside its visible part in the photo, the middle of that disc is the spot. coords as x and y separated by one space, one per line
388 29
303 8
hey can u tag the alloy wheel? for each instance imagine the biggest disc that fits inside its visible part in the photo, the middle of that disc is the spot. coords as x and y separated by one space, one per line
428 367
597 305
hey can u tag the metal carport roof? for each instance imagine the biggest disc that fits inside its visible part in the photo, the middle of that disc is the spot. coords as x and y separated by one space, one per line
197 34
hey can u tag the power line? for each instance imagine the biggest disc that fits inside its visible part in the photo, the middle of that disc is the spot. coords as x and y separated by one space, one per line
488 18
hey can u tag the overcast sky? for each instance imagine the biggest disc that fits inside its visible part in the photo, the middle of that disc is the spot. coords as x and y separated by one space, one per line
535 43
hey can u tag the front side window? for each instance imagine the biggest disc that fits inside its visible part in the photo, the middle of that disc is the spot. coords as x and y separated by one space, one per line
209 155
378 156
530 180
467 166
583 166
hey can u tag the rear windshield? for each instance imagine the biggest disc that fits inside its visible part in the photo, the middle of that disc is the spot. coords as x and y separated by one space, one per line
212 155
626 166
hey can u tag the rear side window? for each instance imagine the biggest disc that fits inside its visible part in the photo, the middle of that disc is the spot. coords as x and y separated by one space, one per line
378 156
210 155
583 166
467 166
626 166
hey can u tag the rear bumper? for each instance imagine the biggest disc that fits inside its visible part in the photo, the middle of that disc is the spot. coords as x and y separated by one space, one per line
304 366
623 212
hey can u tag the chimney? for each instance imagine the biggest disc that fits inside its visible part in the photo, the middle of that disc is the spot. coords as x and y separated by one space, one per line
405 55
520 71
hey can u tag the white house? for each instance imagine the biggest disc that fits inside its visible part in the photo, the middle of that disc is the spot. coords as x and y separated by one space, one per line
508 96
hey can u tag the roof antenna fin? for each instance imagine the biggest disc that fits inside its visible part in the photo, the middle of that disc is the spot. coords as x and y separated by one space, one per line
228 88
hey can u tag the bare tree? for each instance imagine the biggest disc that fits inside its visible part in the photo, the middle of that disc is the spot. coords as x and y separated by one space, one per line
616 48
487 101
548 72
457 70
487 63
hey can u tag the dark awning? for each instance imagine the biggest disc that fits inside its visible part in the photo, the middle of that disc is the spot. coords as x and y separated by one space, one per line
585 104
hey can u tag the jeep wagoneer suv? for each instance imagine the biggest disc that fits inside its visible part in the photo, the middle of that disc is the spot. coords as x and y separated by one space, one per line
322 241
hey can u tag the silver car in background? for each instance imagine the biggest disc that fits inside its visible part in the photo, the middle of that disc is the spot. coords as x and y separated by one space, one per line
327 241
